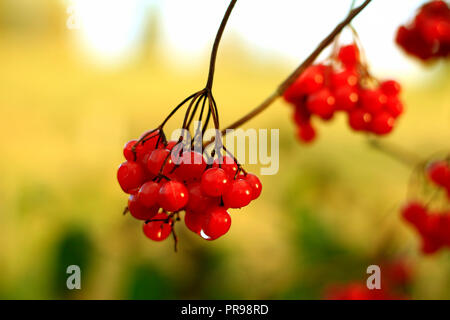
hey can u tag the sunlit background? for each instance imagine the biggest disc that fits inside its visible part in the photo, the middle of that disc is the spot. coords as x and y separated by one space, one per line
80 78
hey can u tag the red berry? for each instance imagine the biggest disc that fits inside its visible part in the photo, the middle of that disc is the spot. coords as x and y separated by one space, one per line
439 173
138 210
130 176
173 196
148 194
345 78
192 165
217 223
394 106
148 144
238 195
435 8
228 165
306 133
346 98
198 201
430 246
157 160
127 150
158 230
255 184
372 100
359 119
390 87
414 213
301 114
171 144
382 123
349 55
194 220
311 80
214 182
321 103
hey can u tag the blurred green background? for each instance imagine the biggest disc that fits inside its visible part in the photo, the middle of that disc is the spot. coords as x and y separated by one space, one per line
331 211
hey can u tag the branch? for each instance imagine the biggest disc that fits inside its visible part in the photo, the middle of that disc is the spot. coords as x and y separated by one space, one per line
212 62
396 152
297 72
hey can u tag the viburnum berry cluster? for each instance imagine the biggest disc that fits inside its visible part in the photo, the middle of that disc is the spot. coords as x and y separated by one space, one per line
343 84
157 185
163 180
432 225
428 35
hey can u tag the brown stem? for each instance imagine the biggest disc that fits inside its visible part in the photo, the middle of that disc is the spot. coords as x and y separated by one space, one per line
212 62
396 152
294 75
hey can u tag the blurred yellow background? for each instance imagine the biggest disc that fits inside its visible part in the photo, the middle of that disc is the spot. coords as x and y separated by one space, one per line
64 117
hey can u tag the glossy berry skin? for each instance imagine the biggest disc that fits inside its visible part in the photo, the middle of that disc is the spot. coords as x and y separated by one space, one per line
157 159
194 221
173 196
148 194
130 176
345 78
382 123
217 223
127 150
349 55
171 144
255 184
228 164
311 80
198 201
359 119
372 100
394 106
306 133
150 143
346 98
214 182
192 165
439 173
238 195
321 103
390 87
138 211
158 230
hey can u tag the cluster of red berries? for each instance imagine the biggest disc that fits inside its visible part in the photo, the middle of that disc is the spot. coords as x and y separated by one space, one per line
433 226
163 180
428 35
345 85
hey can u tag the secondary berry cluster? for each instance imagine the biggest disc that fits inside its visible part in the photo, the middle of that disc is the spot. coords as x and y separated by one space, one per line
428 35
432 225
343 84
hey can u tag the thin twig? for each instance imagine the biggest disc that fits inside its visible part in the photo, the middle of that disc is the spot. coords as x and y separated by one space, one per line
404 156
212 62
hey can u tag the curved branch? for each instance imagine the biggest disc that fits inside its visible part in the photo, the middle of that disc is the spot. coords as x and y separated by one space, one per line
296 73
